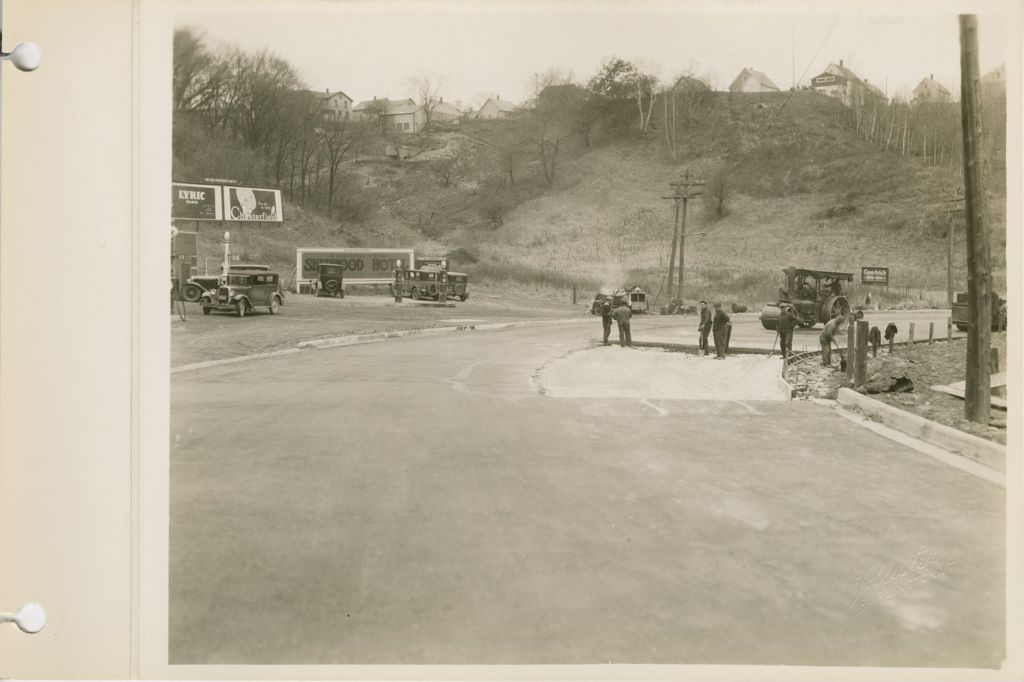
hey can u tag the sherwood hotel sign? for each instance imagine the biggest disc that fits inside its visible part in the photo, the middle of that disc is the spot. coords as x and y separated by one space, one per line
217 202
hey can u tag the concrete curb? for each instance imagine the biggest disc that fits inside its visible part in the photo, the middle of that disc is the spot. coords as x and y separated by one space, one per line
786 388
339 341
992 455
692 347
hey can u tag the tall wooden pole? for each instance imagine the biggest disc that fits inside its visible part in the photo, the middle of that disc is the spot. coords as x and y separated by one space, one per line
672 253
977 393
949 267
682 246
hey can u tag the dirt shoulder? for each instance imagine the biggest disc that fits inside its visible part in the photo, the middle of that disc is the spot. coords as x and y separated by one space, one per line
303 317
925 365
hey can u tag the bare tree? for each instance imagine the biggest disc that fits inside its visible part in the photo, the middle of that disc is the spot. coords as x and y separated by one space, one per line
427 90
336 139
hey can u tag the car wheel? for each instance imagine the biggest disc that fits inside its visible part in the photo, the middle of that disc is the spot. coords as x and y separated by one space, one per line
414 293
463 297
206 310
275 305
240 307
193 293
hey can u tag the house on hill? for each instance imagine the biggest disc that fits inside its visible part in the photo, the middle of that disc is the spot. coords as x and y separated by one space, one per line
750 80
445 112
374 108
496 107
404 117
842 83
993 83
333 106
930 91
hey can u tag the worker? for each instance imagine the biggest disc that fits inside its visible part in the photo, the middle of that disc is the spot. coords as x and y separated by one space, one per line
788 321
720 328
832 327
621 315
704 328
606 318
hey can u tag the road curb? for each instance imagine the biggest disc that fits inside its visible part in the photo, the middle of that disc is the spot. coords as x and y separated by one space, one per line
992 455
355 339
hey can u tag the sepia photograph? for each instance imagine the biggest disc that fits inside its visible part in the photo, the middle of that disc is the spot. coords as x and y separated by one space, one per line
589 333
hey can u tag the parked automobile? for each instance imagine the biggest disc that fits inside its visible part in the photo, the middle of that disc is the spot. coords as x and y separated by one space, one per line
458 285
331 280
197 284
244 291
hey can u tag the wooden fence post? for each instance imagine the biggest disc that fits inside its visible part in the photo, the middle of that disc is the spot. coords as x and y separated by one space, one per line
994 360
949 329
910 337
860 374
851 336
931 332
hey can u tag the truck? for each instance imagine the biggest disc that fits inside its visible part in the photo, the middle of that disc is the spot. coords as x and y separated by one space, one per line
960 317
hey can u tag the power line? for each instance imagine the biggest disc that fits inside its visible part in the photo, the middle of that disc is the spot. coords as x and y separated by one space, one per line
823 40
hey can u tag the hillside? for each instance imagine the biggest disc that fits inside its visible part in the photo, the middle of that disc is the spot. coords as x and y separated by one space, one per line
801 189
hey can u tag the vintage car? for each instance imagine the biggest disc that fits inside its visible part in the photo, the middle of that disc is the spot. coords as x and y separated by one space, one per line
421 283
331 280
197 284
458 285
244 291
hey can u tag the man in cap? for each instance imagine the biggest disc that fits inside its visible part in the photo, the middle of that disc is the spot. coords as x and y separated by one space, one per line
720 328
787 323
606 318
704 328
621 315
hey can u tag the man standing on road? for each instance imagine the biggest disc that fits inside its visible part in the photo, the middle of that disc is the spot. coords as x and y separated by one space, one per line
719 327
704 328
832 327
787 322
621 315
606 318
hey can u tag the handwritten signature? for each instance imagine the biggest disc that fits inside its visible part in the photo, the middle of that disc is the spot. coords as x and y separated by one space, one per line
877 584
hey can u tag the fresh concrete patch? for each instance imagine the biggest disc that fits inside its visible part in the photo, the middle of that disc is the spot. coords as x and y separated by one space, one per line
990 454
353 339
652 373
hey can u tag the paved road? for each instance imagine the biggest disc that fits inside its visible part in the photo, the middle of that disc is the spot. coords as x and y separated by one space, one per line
420 501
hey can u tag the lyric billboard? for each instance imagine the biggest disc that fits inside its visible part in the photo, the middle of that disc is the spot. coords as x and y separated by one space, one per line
196 202
364 266
252 204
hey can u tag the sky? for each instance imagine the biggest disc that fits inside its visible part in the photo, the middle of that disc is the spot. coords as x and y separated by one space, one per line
492 47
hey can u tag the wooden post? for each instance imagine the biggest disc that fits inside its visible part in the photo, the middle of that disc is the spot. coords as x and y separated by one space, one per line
931 332
672 252
860 373
949 329
977 391
994 361
851 336
682 245
910 335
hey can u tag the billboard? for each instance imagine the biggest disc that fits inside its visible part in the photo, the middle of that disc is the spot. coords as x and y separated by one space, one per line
196 202
874 275
252 204
366 266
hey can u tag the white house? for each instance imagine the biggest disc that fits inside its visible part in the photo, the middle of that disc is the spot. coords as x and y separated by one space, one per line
496 107
842 83
750 80
333 106
930 90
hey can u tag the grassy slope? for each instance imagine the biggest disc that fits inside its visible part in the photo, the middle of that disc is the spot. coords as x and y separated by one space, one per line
604 222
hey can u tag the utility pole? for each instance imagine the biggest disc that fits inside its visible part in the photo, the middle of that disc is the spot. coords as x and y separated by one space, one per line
949 250
672 251
977 392
682 192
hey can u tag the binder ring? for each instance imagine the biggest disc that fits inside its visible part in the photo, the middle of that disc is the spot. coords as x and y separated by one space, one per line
24 56
30 618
